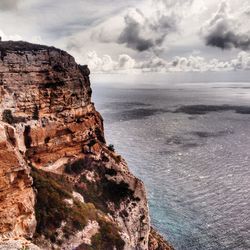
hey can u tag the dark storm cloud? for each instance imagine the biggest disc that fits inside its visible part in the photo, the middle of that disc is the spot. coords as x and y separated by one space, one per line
228 40
132 38
223 31
8 4
143 33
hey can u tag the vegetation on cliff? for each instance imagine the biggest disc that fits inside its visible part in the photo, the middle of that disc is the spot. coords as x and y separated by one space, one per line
54 214
103 191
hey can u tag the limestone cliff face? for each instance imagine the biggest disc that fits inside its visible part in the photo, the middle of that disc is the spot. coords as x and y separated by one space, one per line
50 127
17 198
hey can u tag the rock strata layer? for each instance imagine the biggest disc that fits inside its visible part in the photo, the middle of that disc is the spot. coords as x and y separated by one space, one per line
59 182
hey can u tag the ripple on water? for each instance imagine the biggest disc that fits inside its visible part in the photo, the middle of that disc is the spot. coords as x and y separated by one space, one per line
195 166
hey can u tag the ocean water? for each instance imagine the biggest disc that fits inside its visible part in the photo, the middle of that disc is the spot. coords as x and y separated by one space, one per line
194 161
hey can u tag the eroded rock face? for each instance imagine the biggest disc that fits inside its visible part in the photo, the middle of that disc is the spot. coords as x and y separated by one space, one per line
49 123
17 198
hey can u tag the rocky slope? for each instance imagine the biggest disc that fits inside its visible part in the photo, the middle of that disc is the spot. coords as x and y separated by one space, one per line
61 187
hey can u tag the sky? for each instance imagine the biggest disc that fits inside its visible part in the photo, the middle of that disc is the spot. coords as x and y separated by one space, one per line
137 36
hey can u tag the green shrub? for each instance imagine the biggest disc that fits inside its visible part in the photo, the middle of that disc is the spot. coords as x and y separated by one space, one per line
78 166
111 147
104 190
51 208
107 237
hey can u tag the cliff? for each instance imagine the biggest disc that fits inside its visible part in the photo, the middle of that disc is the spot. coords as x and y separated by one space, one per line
61 187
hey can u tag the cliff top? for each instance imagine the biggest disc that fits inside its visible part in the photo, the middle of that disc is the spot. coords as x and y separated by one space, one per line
23 46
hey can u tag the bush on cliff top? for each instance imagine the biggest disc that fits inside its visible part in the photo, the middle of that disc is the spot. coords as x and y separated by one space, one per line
111 147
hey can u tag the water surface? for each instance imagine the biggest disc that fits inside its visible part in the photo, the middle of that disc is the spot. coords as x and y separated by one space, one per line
195 165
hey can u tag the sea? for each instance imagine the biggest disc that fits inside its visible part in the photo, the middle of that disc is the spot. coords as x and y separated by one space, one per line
190 144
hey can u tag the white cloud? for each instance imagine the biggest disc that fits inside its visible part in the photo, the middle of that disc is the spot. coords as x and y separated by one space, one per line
125 62
107 64
242 62
192 63
154 64
95 63
14 37
225 29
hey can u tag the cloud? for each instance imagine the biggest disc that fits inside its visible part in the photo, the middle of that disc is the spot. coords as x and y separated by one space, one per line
122 30
225 31
149 27
107 64
199 64
8 4
104 64
133 35
242 62
173 3
142 33
14 37
154 64
126 64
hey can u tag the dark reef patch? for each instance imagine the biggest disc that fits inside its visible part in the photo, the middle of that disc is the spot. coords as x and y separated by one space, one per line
182 141
205 134
204 109
134 114
125 105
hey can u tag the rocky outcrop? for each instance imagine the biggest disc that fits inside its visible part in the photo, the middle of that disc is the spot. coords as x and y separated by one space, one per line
14 244
50 127
157 242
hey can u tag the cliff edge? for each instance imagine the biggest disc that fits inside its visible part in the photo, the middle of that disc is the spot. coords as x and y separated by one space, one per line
61 186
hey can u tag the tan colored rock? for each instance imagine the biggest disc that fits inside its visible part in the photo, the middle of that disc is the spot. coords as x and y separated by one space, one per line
17 198
14 244
82 237
157 242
